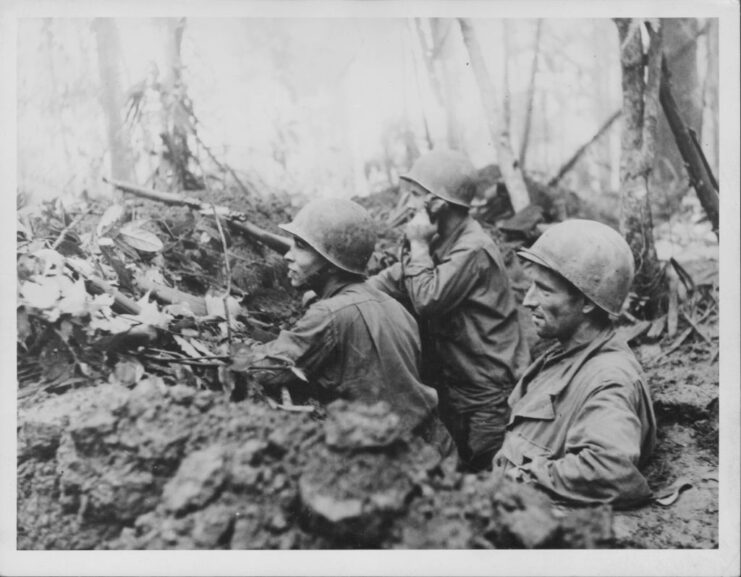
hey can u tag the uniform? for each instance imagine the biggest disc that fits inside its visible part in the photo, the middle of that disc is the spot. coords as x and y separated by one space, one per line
473 349
582 424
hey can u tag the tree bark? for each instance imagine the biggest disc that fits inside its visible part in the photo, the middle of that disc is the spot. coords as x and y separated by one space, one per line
680 43
111 96
700 177
640 112
509 167
177 154
444 57
711 132
530 96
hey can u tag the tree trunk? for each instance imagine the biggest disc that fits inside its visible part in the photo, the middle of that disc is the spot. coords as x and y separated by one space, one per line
444 57
711 131
174 167
700 177
640 112
111 96
530 96
680 45
509 167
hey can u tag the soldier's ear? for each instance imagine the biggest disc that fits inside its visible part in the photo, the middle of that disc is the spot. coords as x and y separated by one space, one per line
588 307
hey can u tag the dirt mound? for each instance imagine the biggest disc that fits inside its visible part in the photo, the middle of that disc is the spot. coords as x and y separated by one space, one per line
159 467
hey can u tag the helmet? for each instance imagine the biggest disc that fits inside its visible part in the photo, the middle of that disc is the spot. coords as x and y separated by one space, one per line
338 229
590 255
446 174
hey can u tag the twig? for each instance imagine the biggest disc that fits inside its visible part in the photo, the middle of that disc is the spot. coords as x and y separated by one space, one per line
228 290
674 346
697 329
69 227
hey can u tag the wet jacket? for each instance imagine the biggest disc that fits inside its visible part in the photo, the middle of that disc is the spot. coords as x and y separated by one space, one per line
361 345
472 342
582 424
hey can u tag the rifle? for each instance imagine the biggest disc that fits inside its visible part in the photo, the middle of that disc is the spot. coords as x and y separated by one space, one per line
237 220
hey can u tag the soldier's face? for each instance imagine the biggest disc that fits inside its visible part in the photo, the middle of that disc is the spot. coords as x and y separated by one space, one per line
422 199
556 308
305 265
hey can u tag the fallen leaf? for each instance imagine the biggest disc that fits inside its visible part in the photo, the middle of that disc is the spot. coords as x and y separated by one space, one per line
670 495
111 216
186 347
40 296
140 239
127 372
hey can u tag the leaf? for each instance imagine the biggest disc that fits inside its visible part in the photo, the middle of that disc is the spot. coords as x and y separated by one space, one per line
300 374
201 348
670 495
140 239
111 216
127 372
74 299
40 296
186 347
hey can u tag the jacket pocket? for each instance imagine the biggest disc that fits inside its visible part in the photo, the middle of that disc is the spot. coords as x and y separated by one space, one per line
519 450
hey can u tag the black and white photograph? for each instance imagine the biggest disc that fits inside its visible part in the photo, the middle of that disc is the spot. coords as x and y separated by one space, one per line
370 288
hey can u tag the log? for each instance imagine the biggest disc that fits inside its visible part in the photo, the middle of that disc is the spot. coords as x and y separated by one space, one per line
701 178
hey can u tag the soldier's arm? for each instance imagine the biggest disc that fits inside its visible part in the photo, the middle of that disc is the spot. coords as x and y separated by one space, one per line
306 346
602 452
438 289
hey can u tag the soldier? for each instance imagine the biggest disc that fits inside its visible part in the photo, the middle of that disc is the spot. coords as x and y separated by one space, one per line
354 342
582 422
453 278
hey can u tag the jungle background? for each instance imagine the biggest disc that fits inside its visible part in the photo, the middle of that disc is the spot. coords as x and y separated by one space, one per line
131 435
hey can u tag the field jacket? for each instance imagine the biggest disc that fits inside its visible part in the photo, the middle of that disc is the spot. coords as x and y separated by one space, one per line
361 345
582 424
472 342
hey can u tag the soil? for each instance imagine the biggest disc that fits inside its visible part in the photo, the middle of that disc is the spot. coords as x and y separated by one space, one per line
168 466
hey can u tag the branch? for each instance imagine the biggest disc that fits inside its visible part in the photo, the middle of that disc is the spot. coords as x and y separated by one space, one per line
569 164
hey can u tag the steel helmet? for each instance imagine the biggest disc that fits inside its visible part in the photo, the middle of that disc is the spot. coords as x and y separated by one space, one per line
590 255
447 174
340 230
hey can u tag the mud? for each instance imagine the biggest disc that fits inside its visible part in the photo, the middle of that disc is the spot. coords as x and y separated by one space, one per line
159 467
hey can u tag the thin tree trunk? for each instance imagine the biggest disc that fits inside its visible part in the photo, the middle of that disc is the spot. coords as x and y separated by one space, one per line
506 91
640 112
700 177
176 136
509 167
443 56
530 96
711 94
111 96
680 45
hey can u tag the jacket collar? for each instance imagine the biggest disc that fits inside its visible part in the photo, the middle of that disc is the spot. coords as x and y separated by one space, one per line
538 404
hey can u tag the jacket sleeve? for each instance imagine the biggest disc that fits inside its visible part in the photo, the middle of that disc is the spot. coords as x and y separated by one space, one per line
602 452
307 346
439 289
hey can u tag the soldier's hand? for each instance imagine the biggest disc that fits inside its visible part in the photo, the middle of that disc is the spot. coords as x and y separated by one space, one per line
243 356
420 229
